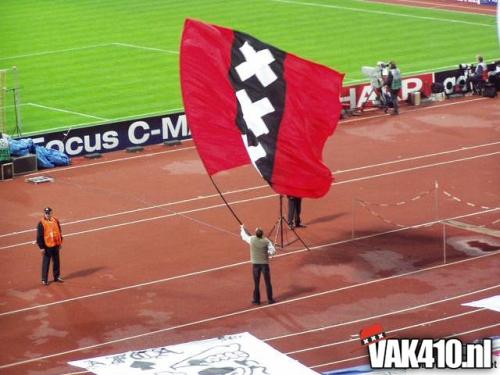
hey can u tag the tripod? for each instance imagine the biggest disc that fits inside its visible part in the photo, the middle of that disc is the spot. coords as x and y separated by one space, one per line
280 226
381 97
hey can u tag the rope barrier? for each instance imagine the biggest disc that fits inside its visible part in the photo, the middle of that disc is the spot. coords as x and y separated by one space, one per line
377 215
417 197
470 204
401 203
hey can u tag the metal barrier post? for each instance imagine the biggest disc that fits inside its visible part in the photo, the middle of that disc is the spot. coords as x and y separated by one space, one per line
444 242
352 215
436 200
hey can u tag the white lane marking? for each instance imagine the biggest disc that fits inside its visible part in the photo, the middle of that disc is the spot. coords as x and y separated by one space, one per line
357 339
206 320
366 355
173 213
318 247
416 168
392 331
466 148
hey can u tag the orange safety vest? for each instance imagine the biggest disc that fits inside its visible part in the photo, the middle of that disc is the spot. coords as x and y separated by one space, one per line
51 232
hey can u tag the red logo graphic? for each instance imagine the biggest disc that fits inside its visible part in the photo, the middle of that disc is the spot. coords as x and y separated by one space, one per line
372 334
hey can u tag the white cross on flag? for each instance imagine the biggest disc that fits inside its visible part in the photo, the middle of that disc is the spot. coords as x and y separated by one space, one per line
249 102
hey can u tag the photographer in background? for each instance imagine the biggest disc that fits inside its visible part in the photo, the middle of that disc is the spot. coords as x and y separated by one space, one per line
393 83
475 80
376 75
377 82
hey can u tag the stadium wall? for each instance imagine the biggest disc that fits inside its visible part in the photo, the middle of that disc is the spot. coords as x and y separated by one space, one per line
173 127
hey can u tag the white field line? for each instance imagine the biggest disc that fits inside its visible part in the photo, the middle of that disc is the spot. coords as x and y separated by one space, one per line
173 213
366 355
384 13
245 311
145 48
42 53
56 51
81 124
66 111
318 247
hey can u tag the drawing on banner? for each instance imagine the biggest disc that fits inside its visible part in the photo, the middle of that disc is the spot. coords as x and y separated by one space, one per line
152 353
223 360
140 359
239 354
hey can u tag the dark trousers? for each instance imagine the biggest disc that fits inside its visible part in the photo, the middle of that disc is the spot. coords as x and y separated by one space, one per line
257 270
394 98
50 253
474 83
294 208
495 79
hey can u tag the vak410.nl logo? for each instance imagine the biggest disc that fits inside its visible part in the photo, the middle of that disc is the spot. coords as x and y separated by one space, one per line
392 353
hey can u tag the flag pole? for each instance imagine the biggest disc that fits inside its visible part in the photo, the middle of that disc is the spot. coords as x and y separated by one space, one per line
227 204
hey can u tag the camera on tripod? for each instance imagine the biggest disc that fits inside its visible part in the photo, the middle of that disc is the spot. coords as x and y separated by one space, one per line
467 69
377 75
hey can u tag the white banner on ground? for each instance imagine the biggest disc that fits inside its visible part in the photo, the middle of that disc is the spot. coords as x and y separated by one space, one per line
240 354
492 303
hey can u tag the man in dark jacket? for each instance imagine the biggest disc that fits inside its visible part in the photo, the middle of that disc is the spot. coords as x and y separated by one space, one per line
294 210
394 84
475 81
49 240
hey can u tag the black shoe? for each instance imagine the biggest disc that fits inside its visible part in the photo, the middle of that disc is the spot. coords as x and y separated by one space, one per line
271 301
394 113
255 303
59 280
45 283
301 226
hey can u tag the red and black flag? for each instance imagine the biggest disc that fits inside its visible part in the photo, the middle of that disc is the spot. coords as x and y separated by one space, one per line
249 102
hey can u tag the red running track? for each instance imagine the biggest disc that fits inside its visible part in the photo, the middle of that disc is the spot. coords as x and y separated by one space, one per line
152 257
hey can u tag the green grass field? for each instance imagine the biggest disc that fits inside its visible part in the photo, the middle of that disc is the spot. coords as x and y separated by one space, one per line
83 62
